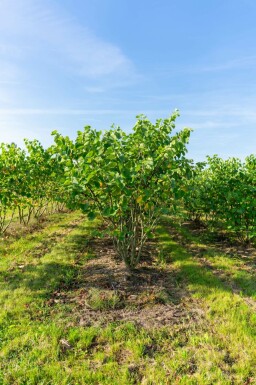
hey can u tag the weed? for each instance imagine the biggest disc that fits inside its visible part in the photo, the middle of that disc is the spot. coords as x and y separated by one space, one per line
103 299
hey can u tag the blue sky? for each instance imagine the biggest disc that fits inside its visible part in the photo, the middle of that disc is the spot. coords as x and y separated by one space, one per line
68 63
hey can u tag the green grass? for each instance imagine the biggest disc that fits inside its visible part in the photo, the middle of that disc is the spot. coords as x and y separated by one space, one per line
231 323
239 272
103 299
220 349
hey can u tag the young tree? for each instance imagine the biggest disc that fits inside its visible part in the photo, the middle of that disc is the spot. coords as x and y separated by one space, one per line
128 178
12 161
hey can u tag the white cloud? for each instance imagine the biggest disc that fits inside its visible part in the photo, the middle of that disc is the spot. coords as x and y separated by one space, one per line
95 90
236 63
45 27
212 124
55 111
234 112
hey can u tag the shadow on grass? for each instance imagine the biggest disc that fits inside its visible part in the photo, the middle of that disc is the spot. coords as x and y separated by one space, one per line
69 272
188 268
57 264
199 270
16 230
66 270
38 233
65 267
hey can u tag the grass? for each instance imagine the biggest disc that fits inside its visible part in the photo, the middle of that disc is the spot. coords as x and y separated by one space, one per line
236 269
231 323
42 343
103 299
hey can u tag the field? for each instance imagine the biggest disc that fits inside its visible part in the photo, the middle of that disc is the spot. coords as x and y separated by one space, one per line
124 262
71 315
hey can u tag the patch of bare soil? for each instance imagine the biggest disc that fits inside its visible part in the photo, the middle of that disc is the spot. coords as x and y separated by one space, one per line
150 297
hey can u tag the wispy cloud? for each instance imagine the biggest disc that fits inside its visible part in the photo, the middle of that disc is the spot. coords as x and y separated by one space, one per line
40 24
212 124
227 65
208 65
56 111
234 111
94 89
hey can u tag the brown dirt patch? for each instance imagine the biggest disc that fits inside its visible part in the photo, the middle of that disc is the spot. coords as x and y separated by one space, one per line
151 296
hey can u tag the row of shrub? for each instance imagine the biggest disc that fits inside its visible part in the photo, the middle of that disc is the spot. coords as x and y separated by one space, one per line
130 180
30 183
222 193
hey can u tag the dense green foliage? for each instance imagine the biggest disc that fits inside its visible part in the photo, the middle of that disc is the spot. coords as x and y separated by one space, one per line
29 183
128 178
224 194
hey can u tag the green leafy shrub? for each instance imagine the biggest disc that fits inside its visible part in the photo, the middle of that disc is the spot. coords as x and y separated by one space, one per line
129 179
